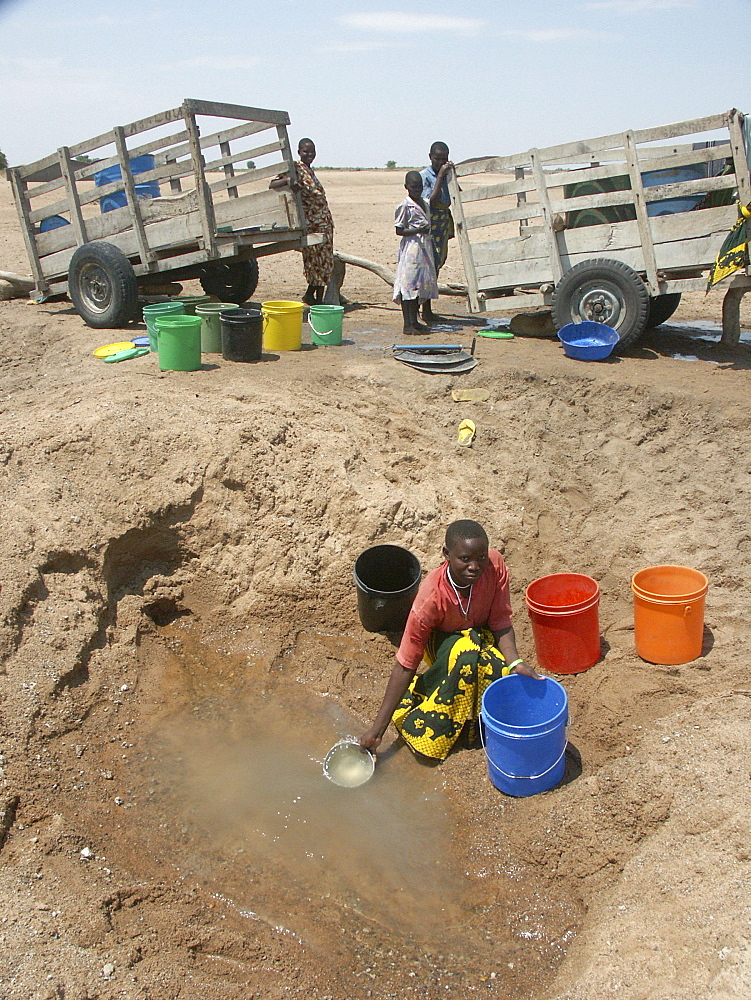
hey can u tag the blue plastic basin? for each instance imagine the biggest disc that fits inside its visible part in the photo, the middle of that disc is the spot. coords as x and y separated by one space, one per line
588 341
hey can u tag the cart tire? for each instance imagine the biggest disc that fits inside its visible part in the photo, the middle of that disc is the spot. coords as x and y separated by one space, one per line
102 286
661 308
231 281
603 291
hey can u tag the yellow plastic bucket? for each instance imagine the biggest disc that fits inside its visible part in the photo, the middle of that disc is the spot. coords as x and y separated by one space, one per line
282 326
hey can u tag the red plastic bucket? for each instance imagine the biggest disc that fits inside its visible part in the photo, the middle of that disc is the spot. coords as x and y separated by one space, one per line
563 609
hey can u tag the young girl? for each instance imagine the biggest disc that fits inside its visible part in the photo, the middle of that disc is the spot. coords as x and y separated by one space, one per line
461 623
415 281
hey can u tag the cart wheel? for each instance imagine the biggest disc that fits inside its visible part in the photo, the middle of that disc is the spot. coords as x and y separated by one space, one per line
603 291
661 308
102 285
232 280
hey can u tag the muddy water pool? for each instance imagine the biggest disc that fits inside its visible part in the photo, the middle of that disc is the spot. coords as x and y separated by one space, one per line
250 775
234 799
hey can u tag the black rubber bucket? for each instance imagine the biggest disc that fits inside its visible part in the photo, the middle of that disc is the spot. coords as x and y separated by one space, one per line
387 578
242 334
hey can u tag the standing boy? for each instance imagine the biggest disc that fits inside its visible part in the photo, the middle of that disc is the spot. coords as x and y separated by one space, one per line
435 190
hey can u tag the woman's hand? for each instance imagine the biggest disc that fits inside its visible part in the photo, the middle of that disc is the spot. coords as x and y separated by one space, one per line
397 684
505 641
283 182
524 668
371 739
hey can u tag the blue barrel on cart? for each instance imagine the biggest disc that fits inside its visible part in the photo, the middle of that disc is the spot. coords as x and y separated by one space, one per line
670 206
138 165
52 222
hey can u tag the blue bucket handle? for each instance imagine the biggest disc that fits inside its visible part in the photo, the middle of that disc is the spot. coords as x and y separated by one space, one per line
527 777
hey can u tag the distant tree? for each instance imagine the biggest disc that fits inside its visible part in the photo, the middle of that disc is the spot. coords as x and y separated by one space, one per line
3 160
391 164
83 158
251 164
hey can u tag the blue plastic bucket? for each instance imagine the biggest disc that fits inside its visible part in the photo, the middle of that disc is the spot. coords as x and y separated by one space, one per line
525 722
138 165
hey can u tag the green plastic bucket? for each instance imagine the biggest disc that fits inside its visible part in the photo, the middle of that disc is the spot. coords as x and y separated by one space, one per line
150 314
326 325
191 301
211 325
179 343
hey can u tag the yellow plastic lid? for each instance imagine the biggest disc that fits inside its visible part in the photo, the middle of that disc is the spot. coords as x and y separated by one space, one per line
104 352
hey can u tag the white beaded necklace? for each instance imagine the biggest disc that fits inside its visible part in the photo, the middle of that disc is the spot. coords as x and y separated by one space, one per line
464 611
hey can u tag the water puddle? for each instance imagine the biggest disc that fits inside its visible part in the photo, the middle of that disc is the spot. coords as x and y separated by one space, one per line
228 791
250 778
702 331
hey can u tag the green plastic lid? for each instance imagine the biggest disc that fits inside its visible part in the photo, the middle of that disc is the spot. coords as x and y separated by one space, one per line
133 352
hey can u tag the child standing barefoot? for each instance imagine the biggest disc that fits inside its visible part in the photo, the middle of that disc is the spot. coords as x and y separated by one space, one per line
415 281
436 193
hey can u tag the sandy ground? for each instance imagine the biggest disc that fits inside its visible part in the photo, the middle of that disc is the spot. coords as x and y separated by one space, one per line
177 548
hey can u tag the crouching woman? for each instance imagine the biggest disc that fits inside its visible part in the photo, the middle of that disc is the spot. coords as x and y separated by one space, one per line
460 623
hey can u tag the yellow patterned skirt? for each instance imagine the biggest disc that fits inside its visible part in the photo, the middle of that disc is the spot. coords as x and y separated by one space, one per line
438 702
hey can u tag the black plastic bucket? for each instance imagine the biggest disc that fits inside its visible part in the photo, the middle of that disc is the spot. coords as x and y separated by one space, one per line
242 334
387 578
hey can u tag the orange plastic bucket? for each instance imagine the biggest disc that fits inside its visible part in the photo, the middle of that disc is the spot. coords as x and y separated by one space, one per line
563 609
669 613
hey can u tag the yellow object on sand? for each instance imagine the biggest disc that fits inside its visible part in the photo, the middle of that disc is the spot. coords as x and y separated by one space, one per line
466 433
104 352
470 395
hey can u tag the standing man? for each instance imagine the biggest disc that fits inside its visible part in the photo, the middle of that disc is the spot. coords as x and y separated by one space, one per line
435 190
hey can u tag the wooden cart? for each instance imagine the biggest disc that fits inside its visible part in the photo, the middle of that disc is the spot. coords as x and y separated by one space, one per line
610 229
158 201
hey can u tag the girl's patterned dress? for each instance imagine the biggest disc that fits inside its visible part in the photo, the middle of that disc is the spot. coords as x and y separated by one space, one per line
318 261
415 270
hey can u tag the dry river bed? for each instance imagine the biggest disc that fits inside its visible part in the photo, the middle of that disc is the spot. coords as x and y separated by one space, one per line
179 646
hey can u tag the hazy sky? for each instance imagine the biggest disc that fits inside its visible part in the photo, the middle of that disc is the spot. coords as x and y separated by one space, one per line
372 81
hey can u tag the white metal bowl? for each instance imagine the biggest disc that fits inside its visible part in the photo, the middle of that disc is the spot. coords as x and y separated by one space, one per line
348 764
